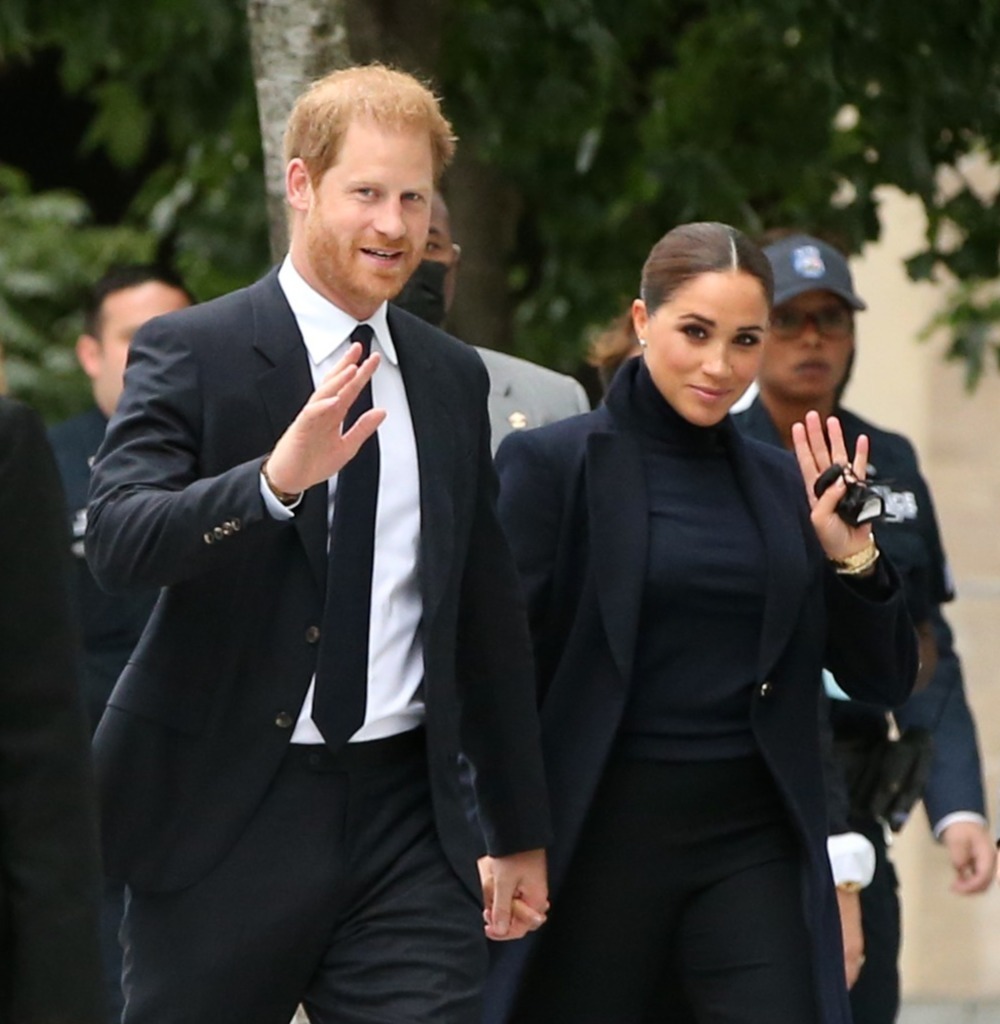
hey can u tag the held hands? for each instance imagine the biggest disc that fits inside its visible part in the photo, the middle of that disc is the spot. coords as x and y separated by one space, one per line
849 905
815 454
314 447
515 894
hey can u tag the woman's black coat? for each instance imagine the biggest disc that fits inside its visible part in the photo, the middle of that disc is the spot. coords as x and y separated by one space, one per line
573 503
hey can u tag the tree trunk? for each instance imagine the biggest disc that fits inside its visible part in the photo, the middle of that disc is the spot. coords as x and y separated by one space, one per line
296 41
405 34
292 42
484 209
484 213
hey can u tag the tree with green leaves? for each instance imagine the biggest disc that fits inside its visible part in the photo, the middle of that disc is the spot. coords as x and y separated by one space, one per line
587 128
615 121
171 97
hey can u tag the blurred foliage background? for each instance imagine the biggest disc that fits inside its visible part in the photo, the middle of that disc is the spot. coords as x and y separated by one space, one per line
589 126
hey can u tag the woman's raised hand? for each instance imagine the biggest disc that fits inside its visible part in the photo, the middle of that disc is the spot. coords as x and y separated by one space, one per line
816 452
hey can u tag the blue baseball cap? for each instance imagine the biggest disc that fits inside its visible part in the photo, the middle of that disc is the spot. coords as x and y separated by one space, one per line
802 263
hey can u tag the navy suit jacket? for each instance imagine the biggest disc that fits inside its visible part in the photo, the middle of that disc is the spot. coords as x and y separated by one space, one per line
573 501
201 716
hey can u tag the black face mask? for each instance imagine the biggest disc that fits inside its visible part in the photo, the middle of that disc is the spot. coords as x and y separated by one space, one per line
423 294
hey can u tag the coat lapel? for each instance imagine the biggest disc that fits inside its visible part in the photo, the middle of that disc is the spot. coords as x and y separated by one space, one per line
775 512
285 383
436 438
616 499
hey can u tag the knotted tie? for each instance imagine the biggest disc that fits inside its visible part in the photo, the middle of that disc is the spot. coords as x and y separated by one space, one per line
342 661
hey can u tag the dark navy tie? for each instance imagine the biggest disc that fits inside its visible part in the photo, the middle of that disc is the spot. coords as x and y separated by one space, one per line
342 662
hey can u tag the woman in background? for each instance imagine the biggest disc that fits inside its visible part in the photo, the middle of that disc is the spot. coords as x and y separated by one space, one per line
685 591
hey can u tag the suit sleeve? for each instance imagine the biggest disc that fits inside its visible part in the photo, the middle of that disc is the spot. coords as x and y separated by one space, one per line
157 516
500 730
531 518
871 644
49 874
956 776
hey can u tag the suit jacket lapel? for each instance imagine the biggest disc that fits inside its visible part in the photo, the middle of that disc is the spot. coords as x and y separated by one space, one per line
616 489
775 512
436 436
285 383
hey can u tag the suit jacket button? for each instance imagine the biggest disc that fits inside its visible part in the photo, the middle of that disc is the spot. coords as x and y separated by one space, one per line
283 720
765 689
236 523
218 533
312 635
208 538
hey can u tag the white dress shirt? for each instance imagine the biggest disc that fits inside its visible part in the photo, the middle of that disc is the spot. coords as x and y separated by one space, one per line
395 653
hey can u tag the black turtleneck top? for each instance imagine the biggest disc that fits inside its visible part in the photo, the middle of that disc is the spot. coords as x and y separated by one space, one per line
703 596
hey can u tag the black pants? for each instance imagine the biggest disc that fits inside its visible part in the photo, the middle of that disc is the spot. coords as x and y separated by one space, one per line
112 908
337 895
875 995
682 904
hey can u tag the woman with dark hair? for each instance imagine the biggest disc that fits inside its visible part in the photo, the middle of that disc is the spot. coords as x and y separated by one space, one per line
685 590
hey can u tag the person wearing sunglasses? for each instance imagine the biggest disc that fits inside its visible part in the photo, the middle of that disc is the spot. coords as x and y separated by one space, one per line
806 362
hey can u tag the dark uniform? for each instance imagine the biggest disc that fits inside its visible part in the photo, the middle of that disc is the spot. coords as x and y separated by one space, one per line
909 536
111 626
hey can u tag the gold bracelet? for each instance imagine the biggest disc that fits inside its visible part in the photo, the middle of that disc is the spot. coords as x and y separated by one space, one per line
284 497
858 563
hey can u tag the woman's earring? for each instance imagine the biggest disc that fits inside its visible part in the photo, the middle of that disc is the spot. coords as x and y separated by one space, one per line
642 342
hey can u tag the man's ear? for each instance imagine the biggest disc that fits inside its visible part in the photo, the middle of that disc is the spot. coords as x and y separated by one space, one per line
298 185
89 354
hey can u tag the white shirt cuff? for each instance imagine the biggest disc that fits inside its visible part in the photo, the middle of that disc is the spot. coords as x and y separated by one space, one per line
852 858
950 819
275 507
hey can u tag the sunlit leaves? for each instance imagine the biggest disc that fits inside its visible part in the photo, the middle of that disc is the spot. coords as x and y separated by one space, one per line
48 255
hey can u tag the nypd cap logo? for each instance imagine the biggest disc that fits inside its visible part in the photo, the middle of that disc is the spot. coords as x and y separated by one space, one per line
808 262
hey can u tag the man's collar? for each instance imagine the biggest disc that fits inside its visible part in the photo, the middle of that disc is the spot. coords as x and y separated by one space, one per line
324 326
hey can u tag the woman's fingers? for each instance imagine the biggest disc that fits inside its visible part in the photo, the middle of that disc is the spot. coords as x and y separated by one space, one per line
860 463
837 449
817 449
807 463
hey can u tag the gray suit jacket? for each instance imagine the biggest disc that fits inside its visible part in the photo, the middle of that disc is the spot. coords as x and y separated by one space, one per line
525 395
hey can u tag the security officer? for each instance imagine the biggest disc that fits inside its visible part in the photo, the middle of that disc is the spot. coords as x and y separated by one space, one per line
806 362
118 305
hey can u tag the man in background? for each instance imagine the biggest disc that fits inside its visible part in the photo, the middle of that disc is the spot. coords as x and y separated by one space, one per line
118 304
522 394
49 874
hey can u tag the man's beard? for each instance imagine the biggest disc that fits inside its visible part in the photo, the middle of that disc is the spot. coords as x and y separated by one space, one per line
340 268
